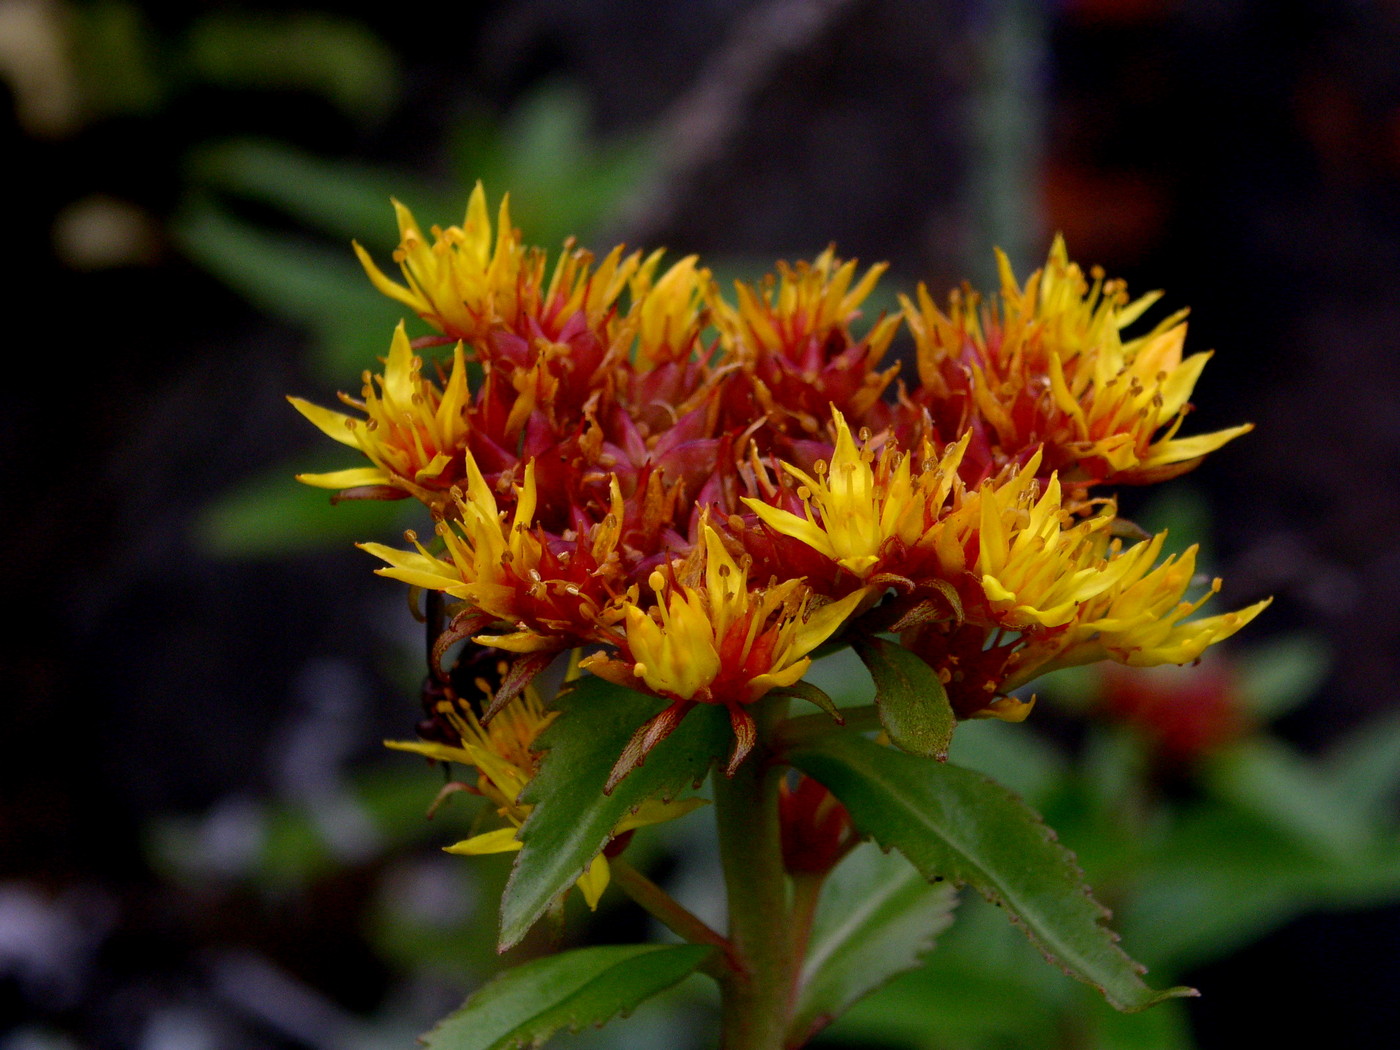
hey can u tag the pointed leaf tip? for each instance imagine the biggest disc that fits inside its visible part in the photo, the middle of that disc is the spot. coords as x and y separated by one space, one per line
956 824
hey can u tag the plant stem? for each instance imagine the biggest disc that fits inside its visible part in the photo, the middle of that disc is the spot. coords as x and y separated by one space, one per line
756 998
670 912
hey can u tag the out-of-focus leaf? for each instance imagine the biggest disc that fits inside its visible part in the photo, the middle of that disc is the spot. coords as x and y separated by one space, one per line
979 989
1183 512
842 677
1276 676
562 182
1164 1027
1267 777
1364 770
347 200
272 514
910 697
1011 755
955 824
337 58
877 918
1237 875
587 986
572 819
326 291
114 57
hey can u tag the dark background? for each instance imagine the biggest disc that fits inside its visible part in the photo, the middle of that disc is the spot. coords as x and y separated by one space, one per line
1243 156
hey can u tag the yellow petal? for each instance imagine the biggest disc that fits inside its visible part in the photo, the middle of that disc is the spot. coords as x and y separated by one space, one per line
354 477
431 749
654 811
594 881
383 284
502 840
335 425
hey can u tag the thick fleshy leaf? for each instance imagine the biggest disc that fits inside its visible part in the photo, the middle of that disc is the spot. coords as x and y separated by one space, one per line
588 986
958 825
877 918
912 702
572 818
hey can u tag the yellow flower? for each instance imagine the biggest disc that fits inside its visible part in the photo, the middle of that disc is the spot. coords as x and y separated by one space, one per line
478 546
414 433
1143 621
510 572
718 641
1009 547
501 752
859 502
712 639
1038 565
791 341
458 284
809 301
466 289
670 311
1047 364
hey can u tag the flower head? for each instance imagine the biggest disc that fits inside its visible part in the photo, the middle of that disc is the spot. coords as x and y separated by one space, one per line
701 517
470 291
1047 364
863 510
791 344
712 638
413 431
459 283
554 595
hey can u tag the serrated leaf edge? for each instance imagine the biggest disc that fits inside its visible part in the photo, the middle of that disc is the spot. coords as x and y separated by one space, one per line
1000 900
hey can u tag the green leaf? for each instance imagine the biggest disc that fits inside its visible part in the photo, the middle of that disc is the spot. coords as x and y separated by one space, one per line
813 694
877 918
1012 755
1240 873
1277 676
562 182
912 702
980 989
296 280
271 514
1365 768
1267 777
587 986
572 819
1166 1028
335 57
956 824
349 201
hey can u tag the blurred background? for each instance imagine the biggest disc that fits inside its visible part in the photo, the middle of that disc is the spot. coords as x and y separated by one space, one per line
203 843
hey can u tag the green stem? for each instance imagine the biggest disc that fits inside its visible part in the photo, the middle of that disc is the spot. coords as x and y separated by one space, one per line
670 912
757 997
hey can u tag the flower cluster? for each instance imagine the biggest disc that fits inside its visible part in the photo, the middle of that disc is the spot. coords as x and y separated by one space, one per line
698 490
